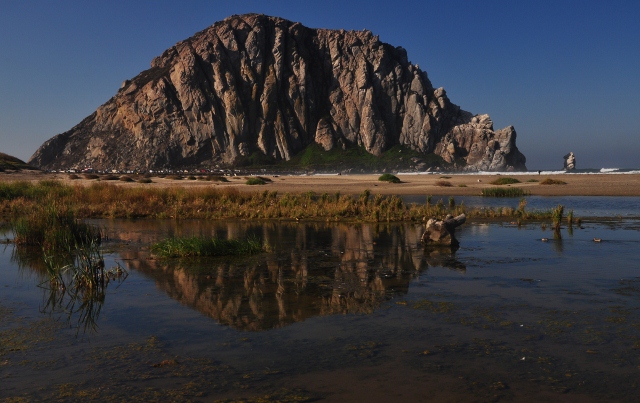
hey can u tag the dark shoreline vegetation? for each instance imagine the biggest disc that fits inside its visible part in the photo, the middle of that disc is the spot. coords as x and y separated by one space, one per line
69 251
104 200
504 192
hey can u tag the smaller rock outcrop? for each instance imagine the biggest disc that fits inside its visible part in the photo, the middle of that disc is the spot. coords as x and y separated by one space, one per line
10 163
443 232
569 162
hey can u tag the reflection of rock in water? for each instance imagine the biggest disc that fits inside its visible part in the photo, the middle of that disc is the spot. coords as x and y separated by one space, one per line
317 269
444 257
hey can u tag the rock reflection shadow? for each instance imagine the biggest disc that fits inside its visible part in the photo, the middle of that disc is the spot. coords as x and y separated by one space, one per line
444 257
315 269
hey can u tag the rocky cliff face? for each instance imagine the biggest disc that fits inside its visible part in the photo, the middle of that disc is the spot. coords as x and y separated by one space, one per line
254 84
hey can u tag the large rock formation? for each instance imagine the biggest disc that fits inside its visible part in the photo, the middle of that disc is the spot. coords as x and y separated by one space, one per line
254 84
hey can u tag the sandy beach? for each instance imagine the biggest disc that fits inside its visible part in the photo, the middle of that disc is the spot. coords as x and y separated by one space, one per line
460 185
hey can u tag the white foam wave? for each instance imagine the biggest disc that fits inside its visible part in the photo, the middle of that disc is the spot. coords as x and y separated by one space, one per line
616 171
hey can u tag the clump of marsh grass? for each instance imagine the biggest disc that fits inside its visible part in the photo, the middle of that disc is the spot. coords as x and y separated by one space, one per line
73 177
505 181
55 229
364 197
556 215
47 189
218 178
85 272
503 192
79 286
110 178
70 250
255 181
126 179
145 180
91 176
443 183
205 246
550 181
389 178
520 212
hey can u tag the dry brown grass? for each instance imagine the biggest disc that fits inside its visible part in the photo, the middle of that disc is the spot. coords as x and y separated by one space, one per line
108 200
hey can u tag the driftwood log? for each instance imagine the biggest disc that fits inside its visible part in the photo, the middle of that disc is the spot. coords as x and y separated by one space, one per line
443 232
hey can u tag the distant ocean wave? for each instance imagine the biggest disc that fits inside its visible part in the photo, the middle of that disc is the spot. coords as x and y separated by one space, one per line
588 171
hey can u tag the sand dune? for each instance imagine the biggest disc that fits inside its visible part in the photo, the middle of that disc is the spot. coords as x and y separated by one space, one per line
467 185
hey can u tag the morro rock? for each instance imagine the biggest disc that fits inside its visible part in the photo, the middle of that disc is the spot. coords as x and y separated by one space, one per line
254 85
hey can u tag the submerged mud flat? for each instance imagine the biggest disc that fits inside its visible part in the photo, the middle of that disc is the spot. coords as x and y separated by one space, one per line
338 312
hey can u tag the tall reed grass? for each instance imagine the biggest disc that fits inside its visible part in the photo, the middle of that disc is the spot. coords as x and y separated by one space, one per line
556 215
70 251
503 192
85 271
78 288
55 229
106 200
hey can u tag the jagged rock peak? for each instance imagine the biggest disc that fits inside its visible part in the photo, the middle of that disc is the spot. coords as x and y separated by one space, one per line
259 85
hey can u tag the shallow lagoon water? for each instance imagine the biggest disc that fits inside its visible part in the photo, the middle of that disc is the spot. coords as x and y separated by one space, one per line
582 206
340 312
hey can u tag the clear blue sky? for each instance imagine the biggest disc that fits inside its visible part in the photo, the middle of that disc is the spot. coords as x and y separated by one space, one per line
566 74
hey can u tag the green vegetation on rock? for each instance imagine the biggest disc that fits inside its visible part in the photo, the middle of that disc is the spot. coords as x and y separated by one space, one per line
314 157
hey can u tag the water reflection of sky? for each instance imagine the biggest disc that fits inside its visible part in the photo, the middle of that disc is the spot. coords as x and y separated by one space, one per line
341 297
582 206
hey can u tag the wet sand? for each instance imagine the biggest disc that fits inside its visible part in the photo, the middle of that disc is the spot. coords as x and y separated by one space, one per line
460 185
